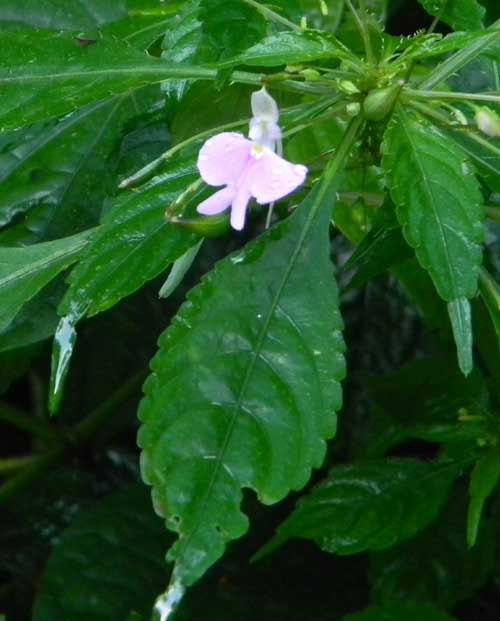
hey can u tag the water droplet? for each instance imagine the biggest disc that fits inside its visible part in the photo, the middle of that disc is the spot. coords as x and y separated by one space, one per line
228 148
275 184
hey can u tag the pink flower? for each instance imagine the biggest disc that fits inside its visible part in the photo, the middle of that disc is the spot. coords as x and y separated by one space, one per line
246 170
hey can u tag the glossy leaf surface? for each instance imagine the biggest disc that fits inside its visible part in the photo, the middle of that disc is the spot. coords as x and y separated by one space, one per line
259 379
134 244
24 271
369 506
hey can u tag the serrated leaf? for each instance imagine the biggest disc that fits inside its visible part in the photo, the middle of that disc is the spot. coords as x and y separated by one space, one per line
60 14
484 154
400 612
260 379
133 245
438 203
108 563
439 207
483 480
369 506
24 271
45 74
293 47
459 14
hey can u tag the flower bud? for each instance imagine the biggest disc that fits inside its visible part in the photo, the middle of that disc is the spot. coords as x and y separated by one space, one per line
353 108
379 102
264 129
488 122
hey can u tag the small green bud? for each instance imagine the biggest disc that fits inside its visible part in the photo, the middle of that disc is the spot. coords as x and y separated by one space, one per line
488 122
379 102
348 87
323 7
310 74
353 108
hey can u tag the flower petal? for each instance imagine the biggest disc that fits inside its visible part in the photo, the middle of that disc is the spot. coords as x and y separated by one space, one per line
271 177
223 158
239 209
218 202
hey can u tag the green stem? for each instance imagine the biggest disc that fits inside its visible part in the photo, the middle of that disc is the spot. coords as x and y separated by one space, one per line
338 161
437 95
365 35
272 15
147 171
32 425
80 433
318 119
11 464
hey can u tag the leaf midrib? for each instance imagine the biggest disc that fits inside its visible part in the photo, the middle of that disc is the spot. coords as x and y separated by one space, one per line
40 264
430 195
237 405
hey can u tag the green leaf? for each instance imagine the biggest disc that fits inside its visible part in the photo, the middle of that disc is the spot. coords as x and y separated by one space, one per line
205 31
429 45
260 379
24 271
287 48
45 74
380 249
146 22
59 172
107 563
438 203
134 244
401 612
179 270
459 14
60 14
439 207
369 506
461 323
427 400
460 59
37 319
483 480
436 565
484 154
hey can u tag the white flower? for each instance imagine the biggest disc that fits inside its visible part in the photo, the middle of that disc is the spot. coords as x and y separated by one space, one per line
264 128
